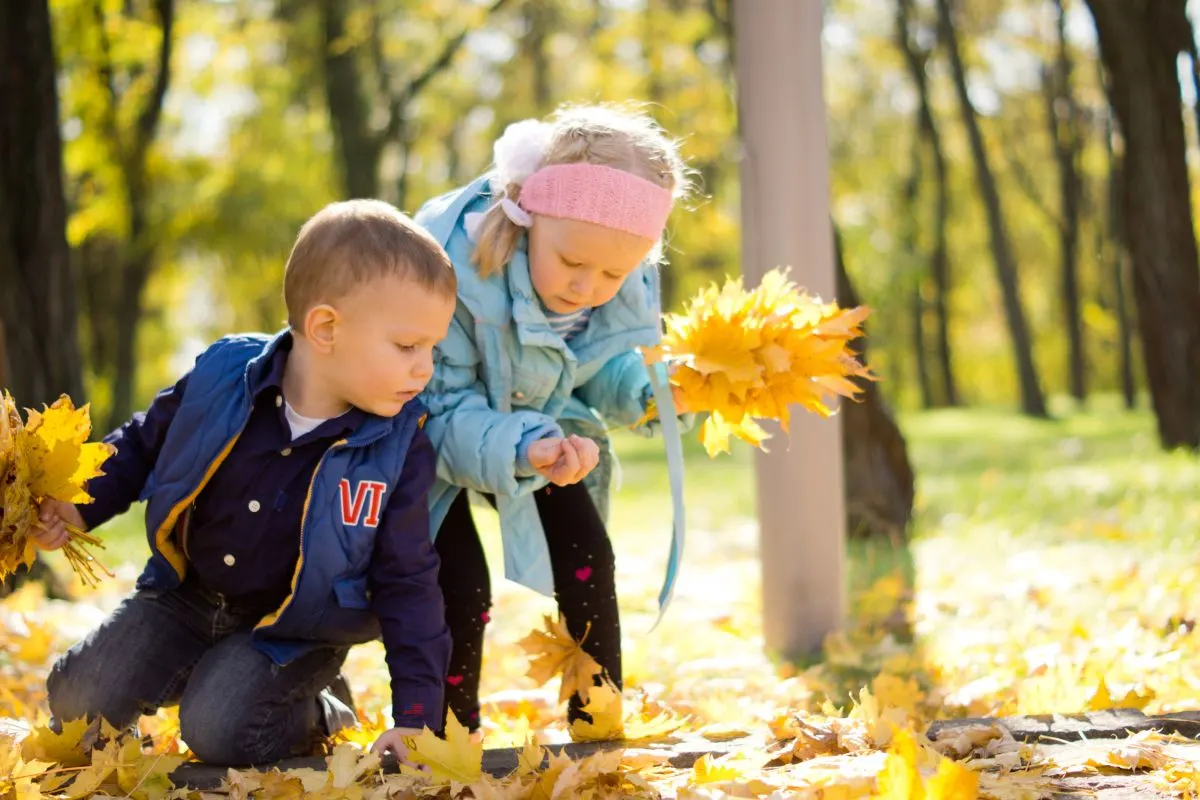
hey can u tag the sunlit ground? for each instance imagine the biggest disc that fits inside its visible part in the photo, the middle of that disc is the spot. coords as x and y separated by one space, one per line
1054 563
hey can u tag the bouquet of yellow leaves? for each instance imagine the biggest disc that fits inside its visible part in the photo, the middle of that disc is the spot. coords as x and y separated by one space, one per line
46 456
743 356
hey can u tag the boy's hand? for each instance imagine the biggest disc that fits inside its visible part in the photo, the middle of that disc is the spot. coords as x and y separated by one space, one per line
393 741
54 516
564 461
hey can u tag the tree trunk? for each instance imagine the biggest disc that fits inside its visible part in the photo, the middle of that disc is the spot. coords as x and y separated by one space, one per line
651 43
37 293
349 111
137 259
3 358
1062 114
908 245
939 262
1139 41
1033 402
136 274
39 345
1116 247
539 22
880 486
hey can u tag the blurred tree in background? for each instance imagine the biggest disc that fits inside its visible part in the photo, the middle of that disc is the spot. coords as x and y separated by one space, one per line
1010 177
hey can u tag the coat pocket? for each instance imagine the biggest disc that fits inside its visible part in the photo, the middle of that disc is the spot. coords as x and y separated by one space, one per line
531 389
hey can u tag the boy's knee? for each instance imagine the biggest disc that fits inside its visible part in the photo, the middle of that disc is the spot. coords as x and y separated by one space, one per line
69 698
218 735
74 694
236 735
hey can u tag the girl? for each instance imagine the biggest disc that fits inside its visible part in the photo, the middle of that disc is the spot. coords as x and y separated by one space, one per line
556 253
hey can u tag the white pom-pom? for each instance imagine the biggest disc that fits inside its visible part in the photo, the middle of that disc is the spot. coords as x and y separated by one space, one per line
519 152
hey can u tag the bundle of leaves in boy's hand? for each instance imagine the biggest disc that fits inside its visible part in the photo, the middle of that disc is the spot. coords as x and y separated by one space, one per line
743 356
47 456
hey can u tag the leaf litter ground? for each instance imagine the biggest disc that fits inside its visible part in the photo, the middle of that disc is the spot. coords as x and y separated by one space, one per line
1057 579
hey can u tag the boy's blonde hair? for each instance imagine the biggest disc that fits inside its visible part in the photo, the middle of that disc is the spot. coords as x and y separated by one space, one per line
621 137
349 243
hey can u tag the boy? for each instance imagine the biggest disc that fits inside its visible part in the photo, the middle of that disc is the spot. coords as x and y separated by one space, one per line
286 481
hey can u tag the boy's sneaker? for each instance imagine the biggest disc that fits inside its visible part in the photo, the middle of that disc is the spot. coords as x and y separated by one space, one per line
336 703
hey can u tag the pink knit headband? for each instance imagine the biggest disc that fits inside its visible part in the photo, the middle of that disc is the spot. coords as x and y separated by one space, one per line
602 195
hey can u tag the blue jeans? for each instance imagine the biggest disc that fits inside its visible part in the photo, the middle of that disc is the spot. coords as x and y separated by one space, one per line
190 647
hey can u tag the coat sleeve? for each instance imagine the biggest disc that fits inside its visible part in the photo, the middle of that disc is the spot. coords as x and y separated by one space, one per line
621 390
478 447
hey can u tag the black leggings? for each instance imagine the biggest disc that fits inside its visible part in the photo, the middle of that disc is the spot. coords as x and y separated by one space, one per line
581 558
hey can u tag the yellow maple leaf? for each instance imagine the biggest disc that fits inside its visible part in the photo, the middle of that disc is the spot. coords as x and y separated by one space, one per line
489 788
365 732
10 422
648 721
145 777
1102 699
1140 751
555 652
580 776
60 459
65 749
606 710
543 788
900 778
953 781
104 763
276 785
35 645
456 760
710 770
347 764
881 721
892 690
531 756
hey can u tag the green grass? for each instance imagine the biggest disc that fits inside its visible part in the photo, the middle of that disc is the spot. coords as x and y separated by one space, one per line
1081 474
980 472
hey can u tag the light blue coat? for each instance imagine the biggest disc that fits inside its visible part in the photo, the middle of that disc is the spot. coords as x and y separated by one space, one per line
503 377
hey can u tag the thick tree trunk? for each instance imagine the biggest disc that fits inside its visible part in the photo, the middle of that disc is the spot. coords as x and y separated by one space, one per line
1062 114
1139 42
880 485
939 261
1033 402
39 345
37 294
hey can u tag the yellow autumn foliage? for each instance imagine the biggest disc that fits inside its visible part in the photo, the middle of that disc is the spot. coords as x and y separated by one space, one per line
747 355
47 456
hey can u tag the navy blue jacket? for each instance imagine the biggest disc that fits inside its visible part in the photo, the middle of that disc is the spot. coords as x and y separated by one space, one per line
363 562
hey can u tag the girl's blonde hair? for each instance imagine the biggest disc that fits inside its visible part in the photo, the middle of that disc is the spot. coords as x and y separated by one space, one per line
621 137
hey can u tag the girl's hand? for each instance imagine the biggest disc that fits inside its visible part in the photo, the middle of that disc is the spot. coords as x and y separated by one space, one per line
588 452
393 741
54 516
564 461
